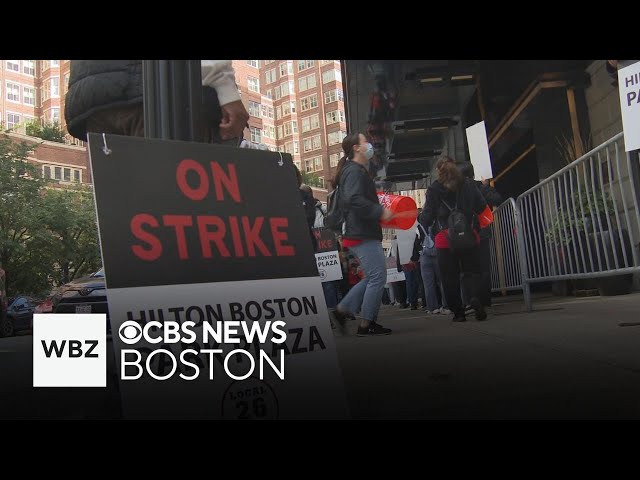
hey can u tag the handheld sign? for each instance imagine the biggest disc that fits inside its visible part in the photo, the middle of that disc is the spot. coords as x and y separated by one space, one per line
393 275
215 303
629 88
327 256
479 151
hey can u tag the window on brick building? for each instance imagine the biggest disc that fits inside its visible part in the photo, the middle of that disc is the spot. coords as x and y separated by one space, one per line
254 109
29 95
13 119
271 76
331 75
13 92
304 64
336 137
307 103
55 87
333 95
13 65
256 136
305 83
254 84
29 67
335 117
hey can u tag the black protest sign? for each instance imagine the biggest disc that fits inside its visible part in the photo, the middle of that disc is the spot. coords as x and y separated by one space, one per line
326 239
206 236
173 212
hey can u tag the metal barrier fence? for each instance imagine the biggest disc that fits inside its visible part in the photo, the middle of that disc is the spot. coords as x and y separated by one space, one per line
506 271
582 222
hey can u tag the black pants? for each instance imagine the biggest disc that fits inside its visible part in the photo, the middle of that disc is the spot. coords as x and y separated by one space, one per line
485 268
451 264
400 291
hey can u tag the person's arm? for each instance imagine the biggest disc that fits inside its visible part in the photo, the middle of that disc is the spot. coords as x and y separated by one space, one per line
417 246
353 197
219 74
429 210
491 195
478 202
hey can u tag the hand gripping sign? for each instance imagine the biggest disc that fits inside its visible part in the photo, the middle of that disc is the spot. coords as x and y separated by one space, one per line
214 298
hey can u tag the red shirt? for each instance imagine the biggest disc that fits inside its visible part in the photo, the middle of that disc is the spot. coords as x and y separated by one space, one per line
351 242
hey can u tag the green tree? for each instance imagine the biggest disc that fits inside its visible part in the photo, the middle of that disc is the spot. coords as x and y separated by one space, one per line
48 235
51 132
20 204
72 232
311 179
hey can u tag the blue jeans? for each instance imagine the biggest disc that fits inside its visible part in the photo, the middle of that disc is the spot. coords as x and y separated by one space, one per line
367 293
330 294
411 278
431 279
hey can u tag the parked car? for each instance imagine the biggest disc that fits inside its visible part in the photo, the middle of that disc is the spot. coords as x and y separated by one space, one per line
84 295
19 315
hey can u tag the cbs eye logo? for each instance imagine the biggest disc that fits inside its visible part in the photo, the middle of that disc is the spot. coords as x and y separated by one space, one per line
130 332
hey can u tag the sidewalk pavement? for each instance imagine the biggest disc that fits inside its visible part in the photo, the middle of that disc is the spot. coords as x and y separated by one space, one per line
570 358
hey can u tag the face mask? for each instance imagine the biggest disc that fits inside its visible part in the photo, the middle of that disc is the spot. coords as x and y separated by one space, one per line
368 153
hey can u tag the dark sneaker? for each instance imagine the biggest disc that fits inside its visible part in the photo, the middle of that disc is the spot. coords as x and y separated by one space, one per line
479 309
374 329
459 318
340 317
404 305
414 307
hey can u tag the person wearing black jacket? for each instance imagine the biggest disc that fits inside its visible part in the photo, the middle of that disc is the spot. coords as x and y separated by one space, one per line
105 96
493 199
362 233
461 193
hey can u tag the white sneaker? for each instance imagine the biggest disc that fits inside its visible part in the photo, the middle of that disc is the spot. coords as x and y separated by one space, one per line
445 311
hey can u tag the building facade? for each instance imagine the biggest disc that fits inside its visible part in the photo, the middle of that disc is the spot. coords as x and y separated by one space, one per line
297 107
33 90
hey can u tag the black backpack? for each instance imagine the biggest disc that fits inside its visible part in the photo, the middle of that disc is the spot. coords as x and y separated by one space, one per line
335 213
461 235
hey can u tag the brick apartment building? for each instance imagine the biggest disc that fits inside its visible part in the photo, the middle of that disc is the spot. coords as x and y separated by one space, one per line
33 89
296 106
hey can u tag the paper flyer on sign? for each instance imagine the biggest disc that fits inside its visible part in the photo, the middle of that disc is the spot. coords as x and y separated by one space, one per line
327 255
479 151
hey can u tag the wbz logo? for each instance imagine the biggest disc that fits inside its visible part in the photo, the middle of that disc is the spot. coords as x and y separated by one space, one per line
74 350
69 350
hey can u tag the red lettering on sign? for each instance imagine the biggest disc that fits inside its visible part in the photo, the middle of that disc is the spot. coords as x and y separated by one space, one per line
184 167
155 247
235 234
230 182
279 237
252 236
178 222
206 236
